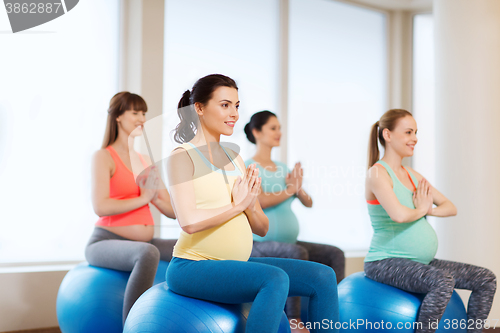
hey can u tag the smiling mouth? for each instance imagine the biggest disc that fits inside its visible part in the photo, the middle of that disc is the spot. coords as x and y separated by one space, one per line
230 123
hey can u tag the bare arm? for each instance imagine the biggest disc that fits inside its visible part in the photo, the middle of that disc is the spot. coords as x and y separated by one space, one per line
444 207
192 219
294 187
379 183
259 222
101 174
162 198
304 198
271 199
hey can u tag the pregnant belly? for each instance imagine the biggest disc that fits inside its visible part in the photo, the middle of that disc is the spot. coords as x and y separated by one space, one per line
138 232
419 242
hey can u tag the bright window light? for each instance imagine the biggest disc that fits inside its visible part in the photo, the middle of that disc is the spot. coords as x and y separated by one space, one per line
239 39
57 80
337 91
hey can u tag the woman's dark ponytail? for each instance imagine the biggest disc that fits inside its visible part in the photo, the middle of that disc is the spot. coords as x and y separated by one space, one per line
186 129
258 120
201 93
185 99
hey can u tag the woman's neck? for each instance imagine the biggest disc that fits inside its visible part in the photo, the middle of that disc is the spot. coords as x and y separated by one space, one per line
123 143
212 140
263 153
394 160
205 137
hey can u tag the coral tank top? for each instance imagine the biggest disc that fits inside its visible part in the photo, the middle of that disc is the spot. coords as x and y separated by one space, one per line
122 186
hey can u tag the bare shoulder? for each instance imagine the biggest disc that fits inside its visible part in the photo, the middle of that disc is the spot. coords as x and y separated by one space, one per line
179 162
102 156
377 175
179 154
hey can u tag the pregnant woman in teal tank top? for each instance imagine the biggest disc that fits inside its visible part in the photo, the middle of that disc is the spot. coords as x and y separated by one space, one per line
404 244
280 186
283 224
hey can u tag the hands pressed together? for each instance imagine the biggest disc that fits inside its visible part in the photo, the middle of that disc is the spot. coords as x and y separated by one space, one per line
148 183
246 189
422 197
294 179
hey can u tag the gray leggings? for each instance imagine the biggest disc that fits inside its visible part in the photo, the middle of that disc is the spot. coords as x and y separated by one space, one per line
437 280
108 250
321 253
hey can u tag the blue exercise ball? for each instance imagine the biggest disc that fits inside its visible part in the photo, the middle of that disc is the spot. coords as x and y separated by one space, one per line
90 299
363 300
161 310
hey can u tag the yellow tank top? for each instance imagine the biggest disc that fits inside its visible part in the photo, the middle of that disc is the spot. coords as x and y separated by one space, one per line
229 241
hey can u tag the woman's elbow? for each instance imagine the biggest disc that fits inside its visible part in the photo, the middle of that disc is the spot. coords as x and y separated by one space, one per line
265 229
98 210
170 213
398 218
262 231
453 210
188 229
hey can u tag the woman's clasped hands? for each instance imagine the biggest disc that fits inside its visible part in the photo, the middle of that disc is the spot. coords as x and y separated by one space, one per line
246 189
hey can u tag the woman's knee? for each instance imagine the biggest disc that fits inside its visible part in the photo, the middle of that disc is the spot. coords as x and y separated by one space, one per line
323 275
442 280
487 281
277 279
148 254
326 275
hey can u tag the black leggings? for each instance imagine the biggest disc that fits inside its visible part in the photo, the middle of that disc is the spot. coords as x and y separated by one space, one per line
108 250
437 280
321 253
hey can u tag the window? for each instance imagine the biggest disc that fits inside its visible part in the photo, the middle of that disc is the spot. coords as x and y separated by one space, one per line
235 38
337 90
57 80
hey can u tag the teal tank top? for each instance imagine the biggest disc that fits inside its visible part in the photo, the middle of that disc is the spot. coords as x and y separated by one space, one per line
283 224
414 240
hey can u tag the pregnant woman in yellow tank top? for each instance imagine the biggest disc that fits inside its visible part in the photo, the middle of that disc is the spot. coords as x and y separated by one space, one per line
215 200
404 244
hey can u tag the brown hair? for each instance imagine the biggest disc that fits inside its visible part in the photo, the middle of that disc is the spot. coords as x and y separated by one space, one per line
388 120
120 103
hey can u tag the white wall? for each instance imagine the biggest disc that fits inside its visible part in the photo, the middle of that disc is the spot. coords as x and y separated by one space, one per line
467 42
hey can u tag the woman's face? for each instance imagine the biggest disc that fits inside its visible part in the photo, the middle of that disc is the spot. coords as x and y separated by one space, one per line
220 114
131 122
404 136
270 134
